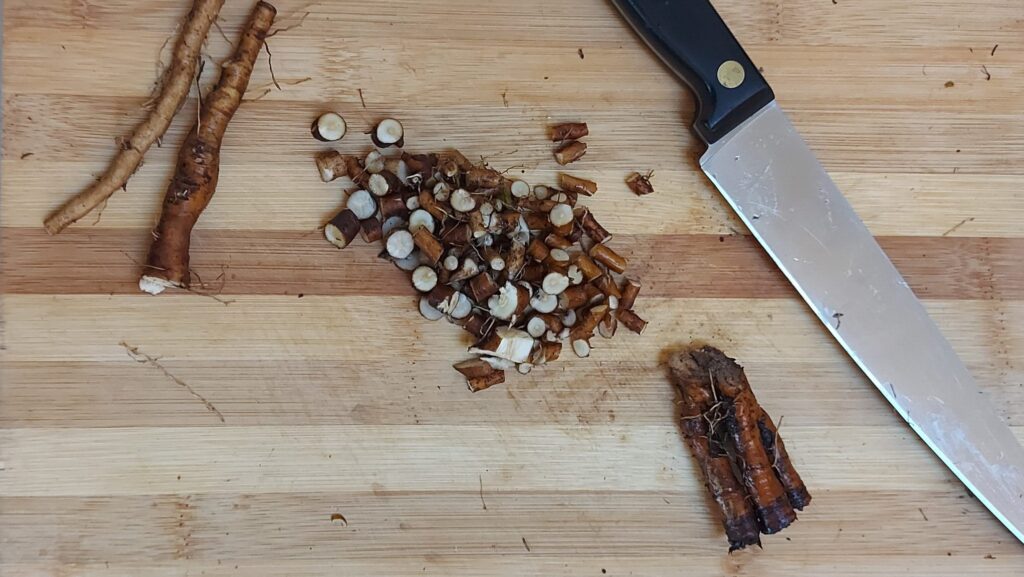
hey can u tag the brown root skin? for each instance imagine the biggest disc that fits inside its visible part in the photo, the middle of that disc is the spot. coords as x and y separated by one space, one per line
746 435
195 178
176 82
700 414
569 131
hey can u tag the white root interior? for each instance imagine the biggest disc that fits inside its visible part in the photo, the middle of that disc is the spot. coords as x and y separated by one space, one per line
544 302
536 327
389 131
334 236
581 348
519 189
560 215
429 312
361 204
331 126
155 285
424 279
421 219
400 244
504 304
462 201
374 162
555 283
377 184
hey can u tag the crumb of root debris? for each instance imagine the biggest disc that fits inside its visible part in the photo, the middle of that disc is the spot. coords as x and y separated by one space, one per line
339 518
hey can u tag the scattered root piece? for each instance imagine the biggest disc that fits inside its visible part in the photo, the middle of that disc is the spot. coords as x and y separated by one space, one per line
329 127
331 165
195 179
570 152
640 183
569 131
176 83
577 185
388 132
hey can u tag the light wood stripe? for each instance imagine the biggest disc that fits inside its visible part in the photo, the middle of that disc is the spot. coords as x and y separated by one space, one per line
271 459
605 525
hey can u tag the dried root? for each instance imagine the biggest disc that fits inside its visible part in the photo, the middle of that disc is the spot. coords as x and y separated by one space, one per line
744 462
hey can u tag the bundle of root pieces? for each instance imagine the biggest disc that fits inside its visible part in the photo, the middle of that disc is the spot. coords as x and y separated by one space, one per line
737 446
523 269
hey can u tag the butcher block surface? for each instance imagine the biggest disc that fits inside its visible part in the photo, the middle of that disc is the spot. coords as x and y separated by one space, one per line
297 417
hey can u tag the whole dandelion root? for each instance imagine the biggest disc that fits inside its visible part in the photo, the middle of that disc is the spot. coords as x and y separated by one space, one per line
175 85
195 178
737 446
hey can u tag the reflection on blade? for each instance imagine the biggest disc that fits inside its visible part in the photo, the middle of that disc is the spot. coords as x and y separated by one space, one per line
776 185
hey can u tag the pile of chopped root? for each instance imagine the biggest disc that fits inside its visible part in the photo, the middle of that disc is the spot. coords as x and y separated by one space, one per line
524 269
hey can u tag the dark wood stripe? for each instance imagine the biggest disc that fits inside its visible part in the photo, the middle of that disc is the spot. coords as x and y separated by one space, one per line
98 261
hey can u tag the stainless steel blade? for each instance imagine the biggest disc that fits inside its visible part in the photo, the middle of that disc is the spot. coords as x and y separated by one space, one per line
776 185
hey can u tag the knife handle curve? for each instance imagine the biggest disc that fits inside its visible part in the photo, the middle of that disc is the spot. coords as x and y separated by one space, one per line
693 40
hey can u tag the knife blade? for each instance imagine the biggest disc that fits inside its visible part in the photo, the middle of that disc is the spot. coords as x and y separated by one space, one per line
777 187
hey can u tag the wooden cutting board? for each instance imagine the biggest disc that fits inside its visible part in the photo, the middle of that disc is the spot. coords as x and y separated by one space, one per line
306 421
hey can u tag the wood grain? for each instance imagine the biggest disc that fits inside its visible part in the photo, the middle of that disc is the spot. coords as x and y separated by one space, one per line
338 399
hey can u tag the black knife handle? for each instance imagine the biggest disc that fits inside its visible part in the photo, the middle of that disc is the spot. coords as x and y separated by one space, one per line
695 43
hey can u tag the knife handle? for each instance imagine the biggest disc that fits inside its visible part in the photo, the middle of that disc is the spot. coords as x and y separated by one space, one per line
695 43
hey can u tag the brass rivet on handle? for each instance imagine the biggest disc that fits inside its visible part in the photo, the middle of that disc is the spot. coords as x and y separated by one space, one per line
731 74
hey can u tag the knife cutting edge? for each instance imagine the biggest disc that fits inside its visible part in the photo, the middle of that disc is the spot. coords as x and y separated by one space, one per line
781 192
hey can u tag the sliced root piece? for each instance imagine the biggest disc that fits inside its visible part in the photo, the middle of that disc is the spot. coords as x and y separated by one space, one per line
581 347
482 287
608 325
378 185
371 230
570 152
630 290
591 227
400 244
506 343
462 201
632 321
342 229
460 306
555 283
362 204
331 165
543 302
329 127
421 219
480 383
430 313
424 279
431 248
577 185
569 131
388 132
561 215
519 189
374 162
609 258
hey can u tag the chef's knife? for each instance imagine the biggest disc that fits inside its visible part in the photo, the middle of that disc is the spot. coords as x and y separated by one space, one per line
778 188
